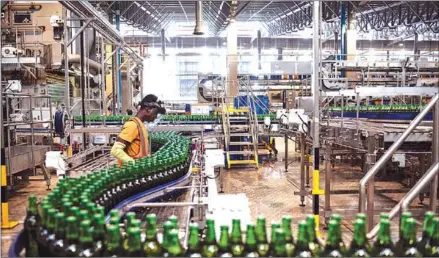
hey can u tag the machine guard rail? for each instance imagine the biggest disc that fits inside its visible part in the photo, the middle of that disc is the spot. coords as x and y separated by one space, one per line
409 197
382 161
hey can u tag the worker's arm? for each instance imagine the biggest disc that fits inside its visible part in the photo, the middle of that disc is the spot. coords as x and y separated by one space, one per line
118 151
125 138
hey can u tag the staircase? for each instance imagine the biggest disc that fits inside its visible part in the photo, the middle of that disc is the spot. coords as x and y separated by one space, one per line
243 139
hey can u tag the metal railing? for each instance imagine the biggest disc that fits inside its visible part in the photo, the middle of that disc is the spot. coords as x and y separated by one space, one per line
366 181
417 189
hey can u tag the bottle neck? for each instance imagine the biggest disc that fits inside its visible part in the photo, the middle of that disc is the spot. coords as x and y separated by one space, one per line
151 232
261 232
250 241
210 235
384 238
236 234
302 238
194 241
224 240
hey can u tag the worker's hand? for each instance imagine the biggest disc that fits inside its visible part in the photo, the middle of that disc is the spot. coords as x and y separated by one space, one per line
118 151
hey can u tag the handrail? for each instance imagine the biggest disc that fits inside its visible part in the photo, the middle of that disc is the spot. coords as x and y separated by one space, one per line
410 196
395 146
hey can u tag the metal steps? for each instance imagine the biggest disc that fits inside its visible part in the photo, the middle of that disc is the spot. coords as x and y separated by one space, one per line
241 143
240 134
239 127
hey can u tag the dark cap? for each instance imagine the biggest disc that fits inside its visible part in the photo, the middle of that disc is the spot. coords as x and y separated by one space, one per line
151 101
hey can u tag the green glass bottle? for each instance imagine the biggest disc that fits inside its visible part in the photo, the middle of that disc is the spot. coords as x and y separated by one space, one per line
175 249
32 224
72 237
313 243
237 247
151 247
427 232
194 243
409 239
302 245
114 221
133 247
167 227
332 248
57 247
361 216
98 233
83 215
263 247
433 246
112 243
383 246
85 240
174 220
399 249
286 227
274 226
224 243
359 245
210 247
43 231
129 217
51 221
251 246
279 247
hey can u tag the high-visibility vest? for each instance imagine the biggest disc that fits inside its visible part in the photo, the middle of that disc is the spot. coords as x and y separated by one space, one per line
143 140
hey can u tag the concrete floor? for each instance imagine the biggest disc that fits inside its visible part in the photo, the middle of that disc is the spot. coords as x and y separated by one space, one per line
270 191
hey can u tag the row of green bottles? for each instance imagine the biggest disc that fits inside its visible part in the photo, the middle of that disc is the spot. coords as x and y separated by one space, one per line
99 118
98 192
380 108
60 236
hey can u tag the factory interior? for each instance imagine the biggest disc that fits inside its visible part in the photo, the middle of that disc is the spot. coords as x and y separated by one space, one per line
281 128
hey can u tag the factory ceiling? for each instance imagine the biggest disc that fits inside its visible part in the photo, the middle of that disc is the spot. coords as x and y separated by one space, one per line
277 18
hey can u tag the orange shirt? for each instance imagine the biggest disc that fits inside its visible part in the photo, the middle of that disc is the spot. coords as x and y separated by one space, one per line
131 134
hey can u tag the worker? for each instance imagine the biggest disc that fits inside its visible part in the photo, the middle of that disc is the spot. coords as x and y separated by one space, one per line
132 142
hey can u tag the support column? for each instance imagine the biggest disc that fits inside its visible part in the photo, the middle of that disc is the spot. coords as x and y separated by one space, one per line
127 89
370 162
82 83
232 61
280 56
415 47
162 36
316 191
351 40
259 43
435 157
119 73
66 62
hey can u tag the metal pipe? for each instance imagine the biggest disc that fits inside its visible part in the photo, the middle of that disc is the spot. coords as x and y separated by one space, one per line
371 173
198 18
118 103
78 32
164 204
103 93
259 44
435 156
66 63
162 36
83 84
316 112
419 186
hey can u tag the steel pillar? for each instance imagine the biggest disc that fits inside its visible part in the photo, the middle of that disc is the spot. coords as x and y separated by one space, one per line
316 191
232 61
119 73
435 157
